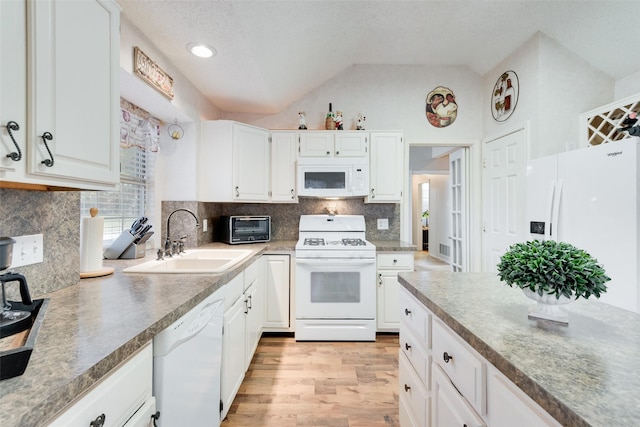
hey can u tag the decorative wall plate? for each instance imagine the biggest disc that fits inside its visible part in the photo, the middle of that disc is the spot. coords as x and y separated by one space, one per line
505 96
441 108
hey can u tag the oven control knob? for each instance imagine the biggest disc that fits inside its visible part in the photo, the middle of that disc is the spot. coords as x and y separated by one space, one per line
251 238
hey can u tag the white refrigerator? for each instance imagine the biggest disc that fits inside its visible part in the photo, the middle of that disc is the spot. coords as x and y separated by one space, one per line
589 198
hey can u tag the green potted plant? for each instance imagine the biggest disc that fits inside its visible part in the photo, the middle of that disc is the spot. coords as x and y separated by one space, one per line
552 273
425 218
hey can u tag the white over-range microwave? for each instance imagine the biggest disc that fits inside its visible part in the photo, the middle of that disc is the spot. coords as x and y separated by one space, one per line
333 177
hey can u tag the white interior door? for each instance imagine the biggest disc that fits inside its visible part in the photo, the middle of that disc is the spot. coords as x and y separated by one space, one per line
458 186
504 195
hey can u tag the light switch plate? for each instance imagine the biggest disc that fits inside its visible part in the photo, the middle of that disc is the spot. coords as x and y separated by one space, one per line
27 250
205 225
383 223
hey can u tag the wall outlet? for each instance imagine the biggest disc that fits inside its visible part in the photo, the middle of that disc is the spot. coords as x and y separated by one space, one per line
27 250
205 225
383 223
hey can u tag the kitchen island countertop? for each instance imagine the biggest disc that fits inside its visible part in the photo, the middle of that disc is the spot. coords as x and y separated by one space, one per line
583 374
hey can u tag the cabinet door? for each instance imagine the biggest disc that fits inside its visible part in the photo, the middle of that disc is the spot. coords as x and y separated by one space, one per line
351 144
388 316
233 354
316 144
74 68
277 292
449 408
509 406
13 88
254 310
386 167
118 396
251 160
414 396
283 167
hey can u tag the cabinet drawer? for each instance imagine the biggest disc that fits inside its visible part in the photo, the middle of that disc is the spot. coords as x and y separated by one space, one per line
414 316
234 290
461 363
449 407
117 397
396 261
251 273
414 397
417 354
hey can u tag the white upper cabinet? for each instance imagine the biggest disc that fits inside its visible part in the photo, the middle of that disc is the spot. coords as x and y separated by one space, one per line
234 162
283 166
334 144
386 163
13 90
72 93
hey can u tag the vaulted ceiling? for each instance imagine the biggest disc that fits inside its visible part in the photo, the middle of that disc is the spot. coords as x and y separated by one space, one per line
270 53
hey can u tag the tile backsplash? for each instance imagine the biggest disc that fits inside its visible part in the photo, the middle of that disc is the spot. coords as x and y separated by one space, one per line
55 215
284 217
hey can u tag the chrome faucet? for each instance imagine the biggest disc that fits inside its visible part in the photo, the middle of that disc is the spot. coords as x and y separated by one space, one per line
170 248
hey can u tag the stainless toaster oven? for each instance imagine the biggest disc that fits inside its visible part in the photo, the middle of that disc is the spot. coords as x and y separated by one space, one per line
245 229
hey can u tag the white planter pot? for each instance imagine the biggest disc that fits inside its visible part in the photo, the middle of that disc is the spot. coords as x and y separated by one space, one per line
548 307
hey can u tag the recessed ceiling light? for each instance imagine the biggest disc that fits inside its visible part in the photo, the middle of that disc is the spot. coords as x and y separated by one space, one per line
202 50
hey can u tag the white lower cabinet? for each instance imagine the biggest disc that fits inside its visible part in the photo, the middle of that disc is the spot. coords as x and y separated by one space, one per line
388 266
444 382
254 306
509 406
123 398
277 284
233 344
449 407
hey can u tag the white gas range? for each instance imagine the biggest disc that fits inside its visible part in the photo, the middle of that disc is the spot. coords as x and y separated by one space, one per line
335 280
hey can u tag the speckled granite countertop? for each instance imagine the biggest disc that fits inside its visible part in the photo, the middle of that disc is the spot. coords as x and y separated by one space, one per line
91 327
393 246
583 374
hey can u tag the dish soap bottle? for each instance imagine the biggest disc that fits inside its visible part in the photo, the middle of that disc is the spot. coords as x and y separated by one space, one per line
330 123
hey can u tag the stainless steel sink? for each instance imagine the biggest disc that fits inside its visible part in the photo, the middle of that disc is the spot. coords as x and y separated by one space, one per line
194 261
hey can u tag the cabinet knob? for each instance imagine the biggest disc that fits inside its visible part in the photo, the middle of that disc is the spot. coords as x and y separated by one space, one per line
406 388
337 153
447 357
47 137
98 422
16 156
407 311
407 346
395 261
328 153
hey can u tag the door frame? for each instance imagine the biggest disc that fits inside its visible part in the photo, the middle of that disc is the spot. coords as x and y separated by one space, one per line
474 194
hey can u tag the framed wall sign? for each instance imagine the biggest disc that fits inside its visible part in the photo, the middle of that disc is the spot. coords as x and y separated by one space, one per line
505 96
150 72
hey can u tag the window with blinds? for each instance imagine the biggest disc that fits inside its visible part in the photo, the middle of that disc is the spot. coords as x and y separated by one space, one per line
133 197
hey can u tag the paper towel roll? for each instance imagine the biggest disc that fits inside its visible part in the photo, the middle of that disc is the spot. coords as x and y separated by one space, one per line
91 243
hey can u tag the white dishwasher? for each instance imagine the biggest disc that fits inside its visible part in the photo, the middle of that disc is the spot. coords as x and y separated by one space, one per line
187 360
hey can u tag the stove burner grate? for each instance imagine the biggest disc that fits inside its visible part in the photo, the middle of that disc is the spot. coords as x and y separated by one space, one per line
353 242
313 241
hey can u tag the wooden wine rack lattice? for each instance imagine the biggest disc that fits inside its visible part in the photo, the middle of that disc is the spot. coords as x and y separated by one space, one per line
603 125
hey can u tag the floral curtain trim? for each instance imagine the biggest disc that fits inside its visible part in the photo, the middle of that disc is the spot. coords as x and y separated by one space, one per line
138 128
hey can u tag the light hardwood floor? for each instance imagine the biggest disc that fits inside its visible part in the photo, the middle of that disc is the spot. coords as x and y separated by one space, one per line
324 384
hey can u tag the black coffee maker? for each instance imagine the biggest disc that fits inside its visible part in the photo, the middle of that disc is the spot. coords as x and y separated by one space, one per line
15 317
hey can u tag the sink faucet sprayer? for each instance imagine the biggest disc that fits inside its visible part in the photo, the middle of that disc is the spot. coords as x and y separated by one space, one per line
169 249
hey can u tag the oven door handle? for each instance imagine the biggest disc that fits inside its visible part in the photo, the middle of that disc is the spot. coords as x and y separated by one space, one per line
336 261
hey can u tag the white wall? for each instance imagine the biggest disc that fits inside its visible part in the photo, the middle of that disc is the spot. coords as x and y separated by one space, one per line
392 97
556 86
628 86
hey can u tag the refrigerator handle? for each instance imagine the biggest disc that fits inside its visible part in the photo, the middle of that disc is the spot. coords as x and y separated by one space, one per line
555 214
549 211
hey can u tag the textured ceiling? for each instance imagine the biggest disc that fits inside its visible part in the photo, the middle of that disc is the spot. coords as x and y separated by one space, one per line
271 53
